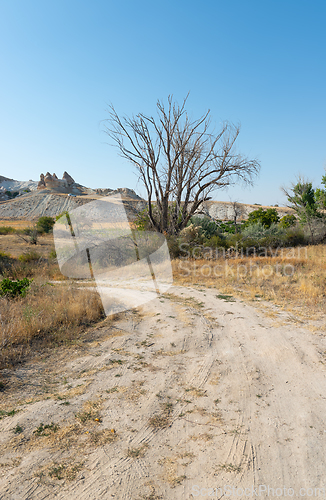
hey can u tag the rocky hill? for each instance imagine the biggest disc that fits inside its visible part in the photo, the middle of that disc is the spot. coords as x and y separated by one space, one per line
33 205
51 196
8 187
224 210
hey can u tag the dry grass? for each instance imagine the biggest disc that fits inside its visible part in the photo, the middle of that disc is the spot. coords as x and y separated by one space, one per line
137 452
15 246
66 470
204 437
162 420
49 315
90 413
103 437
296 278
26 260
171 469
16 224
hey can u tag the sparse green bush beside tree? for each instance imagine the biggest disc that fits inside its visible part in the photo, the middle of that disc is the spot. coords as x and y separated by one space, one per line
45 224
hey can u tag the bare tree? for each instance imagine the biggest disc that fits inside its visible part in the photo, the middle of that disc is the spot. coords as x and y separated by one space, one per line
238 211
29 236
179 160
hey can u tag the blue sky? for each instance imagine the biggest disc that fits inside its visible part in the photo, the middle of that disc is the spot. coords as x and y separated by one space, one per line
260 63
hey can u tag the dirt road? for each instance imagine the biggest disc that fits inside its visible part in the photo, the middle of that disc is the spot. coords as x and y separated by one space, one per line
192 396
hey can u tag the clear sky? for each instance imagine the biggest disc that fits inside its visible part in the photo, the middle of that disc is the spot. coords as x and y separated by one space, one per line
258 62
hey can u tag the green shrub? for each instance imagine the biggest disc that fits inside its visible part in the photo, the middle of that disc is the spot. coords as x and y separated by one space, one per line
25 230
12 195
208 228
216 241
295 236
255 231
259 230
287 221
4 256
265 217
7 230
45 224
53 254
29 256
32 234
13 289
229 226
142 221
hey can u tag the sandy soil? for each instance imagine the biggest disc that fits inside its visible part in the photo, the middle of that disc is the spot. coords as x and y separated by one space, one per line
190 392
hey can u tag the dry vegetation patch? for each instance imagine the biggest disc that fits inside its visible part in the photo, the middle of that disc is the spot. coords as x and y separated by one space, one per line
171 470
164 418
293 277
49 315
138 452
65 470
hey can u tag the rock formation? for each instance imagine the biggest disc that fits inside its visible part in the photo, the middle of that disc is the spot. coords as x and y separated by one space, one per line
41 184
68 178
49 181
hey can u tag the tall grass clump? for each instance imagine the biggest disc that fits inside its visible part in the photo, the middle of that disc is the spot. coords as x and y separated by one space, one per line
48 315
30 264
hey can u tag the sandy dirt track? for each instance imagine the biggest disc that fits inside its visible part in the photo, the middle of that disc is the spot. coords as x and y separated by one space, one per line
189 392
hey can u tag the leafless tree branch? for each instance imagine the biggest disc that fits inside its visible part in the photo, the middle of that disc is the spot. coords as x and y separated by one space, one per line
179 161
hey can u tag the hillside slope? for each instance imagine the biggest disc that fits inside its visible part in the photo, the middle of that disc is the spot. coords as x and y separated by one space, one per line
40 203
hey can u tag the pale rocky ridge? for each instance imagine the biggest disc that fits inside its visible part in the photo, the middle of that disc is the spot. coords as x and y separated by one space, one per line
50 197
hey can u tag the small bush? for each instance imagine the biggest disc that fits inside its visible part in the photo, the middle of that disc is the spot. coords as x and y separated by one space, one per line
7 230
208 228
4 256
45 224
191 233
46 430
287 221
259 230
295 236
29 256
13 289
53 254
216 242
12 195
265 217
142 221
